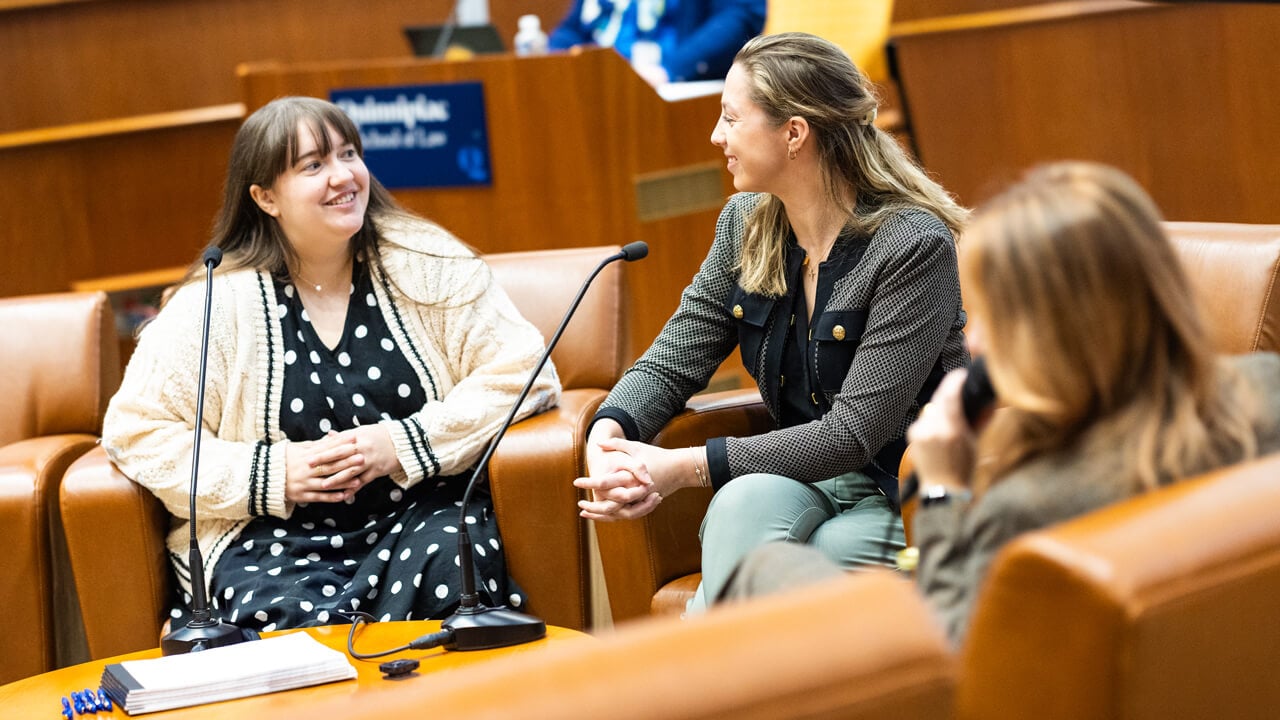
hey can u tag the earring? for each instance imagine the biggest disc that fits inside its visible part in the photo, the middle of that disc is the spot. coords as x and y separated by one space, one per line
791 153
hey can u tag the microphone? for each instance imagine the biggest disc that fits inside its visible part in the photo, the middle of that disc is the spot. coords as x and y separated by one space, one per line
475 626
976 395
203 631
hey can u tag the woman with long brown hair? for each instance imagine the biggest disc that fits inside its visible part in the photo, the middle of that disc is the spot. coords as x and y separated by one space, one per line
1106 381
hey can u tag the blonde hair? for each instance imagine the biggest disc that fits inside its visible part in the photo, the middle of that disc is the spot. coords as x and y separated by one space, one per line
1093 335
800 75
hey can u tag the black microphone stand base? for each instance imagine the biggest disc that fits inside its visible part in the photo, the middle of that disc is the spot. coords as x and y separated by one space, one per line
483 628
198 636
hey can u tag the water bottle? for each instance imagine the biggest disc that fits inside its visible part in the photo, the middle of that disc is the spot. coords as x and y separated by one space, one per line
530 40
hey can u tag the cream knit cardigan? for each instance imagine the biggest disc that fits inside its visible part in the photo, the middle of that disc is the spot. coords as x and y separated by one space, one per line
470 347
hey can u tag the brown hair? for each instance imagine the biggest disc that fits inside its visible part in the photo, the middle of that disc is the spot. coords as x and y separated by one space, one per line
801 75
1092 332
264 147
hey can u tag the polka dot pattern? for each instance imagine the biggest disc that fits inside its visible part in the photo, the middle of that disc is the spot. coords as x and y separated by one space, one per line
338 556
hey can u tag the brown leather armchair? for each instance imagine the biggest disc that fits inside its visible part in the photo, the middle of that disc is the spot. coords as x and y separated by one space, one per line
1234 268
652 565
796 655
1163 606
123 584
61 365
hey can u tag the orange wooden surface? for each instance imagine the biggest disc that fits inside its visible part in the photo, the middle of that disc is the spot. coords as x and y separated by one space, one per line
39 696
1180 95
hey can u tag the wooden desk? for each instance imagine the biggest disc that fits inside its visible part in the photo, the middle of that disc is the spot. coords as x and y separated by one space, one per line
39 696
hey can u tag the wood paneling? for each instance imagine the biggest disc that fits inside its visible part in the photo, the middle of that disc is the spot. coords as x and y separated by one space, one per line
72 62
119 114
1181 96
113 155
108 204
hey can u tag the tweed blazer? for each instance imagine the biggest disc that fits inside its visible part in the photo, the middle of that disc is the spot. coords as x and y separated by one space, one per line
901 329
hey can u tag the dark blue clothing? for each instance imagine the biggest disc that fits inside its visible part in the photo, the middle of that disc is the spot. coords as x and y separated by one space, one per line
708 34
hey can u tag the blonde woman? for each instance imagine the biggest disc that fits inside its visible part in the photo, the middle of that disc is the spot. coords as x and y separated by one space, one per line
1107 382
833 272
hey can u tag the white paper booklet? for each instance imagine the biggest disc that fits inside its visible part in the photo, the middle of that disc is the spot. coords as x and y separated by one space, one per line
283 662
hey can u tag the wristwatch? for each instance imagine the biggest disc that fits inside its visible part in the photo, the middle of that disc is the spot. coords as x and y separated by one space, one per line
941 495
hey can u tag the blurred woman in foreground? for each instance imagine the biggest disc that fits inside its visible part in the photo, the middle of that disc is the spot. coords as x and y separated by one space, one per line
1105 375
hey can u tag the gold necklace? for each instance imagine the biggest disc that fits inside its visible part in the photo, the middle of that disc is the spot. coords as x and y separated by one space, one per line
810 267
315 285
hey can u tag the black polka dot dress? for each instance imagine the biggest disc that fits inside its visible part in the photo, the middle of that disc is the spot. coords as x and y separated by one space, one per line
389 552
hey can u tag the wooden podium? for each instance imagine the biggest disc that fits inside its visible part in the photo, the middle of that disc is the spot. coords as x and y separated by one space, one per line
582 151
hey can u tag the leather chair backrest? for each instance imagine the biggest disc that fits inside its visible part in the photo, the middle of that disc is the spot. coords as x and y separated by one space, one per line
1162 606
543 284
1234 268
59 364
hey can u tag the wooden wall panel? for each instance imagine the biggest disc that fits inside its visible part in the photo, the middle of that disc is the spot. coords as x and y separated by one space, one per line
1181 96
71 62
106 205
905 10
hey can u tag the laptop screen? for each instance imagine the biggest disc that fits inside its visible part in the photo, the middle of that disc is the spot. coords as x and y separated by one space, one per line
435 40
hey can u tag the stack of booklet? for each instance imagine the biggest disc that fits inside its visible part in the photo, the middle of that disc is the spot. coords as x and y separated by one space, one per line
249 668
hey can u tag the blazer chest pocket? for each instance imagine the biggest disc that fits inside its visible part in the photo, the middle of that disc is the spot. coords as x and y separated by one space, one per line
837 334
752 314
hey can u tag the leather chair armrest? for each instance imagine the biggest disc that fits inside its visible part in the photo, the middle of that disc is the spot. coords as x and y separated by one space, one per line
1162 605
531 479
640 556
115 532
32 596
792 655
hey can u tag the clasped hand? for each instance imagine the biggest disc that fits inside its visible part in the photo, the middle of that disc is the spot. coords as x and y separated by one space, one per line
335 467
627 479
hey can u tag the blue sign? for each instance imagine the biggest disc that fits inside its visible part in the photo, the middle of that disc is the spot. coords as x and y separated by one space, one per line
421 136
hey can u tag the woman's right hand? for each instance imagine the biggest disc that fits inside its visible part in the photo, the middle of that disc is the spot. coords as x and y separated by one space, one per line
324 470
616 478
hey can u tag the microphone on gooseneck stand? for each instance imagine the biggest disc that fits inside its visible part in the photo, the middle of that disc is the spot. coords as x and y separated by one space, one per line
475 626
203 631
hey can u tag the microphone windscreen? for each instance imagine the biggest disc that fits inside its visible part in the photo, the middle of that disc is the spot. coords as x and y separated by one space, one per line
637 250
213 255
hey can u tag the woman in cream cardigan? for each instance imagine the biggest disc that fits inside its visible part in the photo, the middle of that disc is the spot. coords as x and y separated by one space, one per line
360 360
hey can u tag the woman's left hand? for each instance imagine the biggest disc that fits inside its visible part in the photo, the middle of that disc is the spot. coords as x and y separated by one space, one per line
942 443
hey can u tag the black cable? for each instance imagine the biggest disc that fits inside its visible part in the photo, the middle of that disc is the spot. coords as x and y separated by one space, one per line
358 618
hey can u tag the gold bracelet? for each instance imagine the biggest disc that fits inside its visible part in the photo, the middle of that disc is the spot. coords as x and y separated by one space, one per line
697 468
